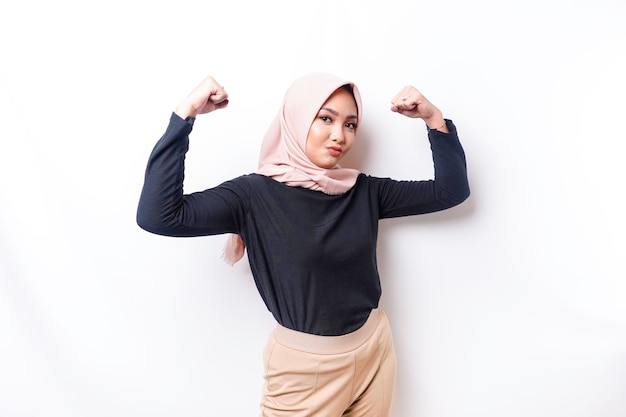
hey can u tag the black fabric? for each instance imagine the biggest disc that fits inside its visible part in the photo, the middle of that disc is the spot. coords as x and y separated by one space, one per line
312 255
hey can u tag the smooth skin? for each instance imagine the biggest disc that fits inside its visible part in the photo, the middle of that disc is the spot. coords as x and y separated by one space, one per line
411 103
333 130
208 96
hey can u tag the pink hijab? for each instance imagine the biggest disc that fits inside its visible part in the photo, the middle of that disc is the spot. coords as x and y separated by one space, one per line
283 151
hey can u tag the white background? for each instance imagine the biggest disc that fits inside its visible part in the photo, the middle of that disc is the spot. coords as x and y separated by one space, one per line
512 304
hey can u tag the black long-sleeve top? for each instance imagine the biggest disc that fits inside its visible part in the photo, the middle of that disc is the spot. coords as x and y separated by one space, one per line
312 255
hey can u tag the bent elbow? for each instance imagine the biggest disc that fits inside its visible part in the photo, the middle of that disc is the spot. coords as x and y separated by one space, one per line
151 221
463 196
457 197
146 223
463 193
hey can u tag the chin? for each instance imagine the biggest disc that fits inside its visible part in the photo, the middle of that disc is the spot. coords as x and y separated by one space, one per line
331 165
326 164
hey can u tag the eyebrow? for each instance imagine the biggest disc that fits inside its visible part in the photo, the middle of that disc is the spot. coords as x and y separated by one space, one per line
336 113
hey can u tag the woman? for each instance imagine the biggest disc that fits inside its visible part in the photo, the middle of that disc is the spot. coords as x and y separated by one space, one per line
309 227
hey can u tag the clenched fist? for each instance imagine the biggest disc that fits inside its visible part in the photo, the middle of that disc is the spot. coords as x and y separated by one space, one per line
209 95
411 103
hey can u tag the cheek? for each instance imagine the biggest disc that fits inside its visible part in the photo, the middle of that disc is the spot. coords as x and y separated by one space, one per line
313 138
310 145
349 142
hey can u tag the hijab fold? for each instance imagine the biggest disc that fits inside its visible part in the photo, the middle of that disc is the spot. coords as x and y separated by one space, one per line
283 151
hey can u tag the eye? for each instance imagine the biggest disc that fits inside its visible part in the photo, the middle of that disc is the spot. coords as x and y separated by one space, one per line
351 125
325 118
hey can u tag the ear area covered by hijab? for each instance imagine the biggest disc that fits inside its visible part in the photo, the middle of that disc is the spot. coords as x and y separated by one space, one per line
283 151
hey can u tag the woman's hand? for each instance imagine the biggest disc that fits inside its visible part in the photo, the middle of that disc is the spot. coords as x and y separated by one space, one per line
411 103
209 95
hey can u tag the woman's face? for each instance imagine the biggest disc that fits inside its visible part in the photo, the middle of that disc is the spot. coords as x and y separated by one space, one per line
333 130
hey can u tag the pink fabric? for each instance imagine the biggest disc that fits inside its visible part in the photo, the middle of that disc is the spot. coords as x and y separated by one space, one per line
283 151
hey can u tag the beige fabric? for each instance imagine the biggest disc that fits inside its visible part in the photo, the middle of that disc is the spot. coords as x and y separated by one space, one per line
319 376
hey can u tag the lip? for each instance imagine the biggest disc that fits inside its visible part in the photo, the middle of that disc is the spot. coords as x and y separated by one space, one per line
334 150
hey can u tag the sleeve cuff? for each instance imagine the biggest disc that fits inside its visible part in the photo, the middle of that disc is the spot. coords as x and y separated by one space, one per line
434 132
189 121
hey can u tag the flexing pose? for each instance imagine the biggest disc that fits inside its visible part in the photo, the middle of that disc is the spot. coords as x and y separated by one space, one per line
309 227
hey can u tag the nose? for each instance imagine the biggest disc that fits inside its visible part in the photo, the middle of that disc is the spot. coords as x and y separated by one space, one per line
337 135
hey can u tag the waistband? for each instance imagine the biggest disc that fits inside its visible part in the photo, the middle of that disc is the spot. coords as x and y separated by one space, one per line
328 345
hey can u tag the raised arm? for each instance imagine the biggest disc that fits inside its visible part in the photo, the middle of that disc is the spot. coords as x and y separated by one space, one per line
163 209
450 186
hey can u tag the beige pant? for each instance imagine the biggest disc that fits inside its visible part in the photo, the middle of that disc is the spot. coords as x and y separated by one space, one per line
330 376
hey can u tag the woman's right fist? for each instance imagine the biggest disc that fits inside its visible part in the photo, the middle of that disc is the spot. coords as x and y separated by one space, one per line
209 95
